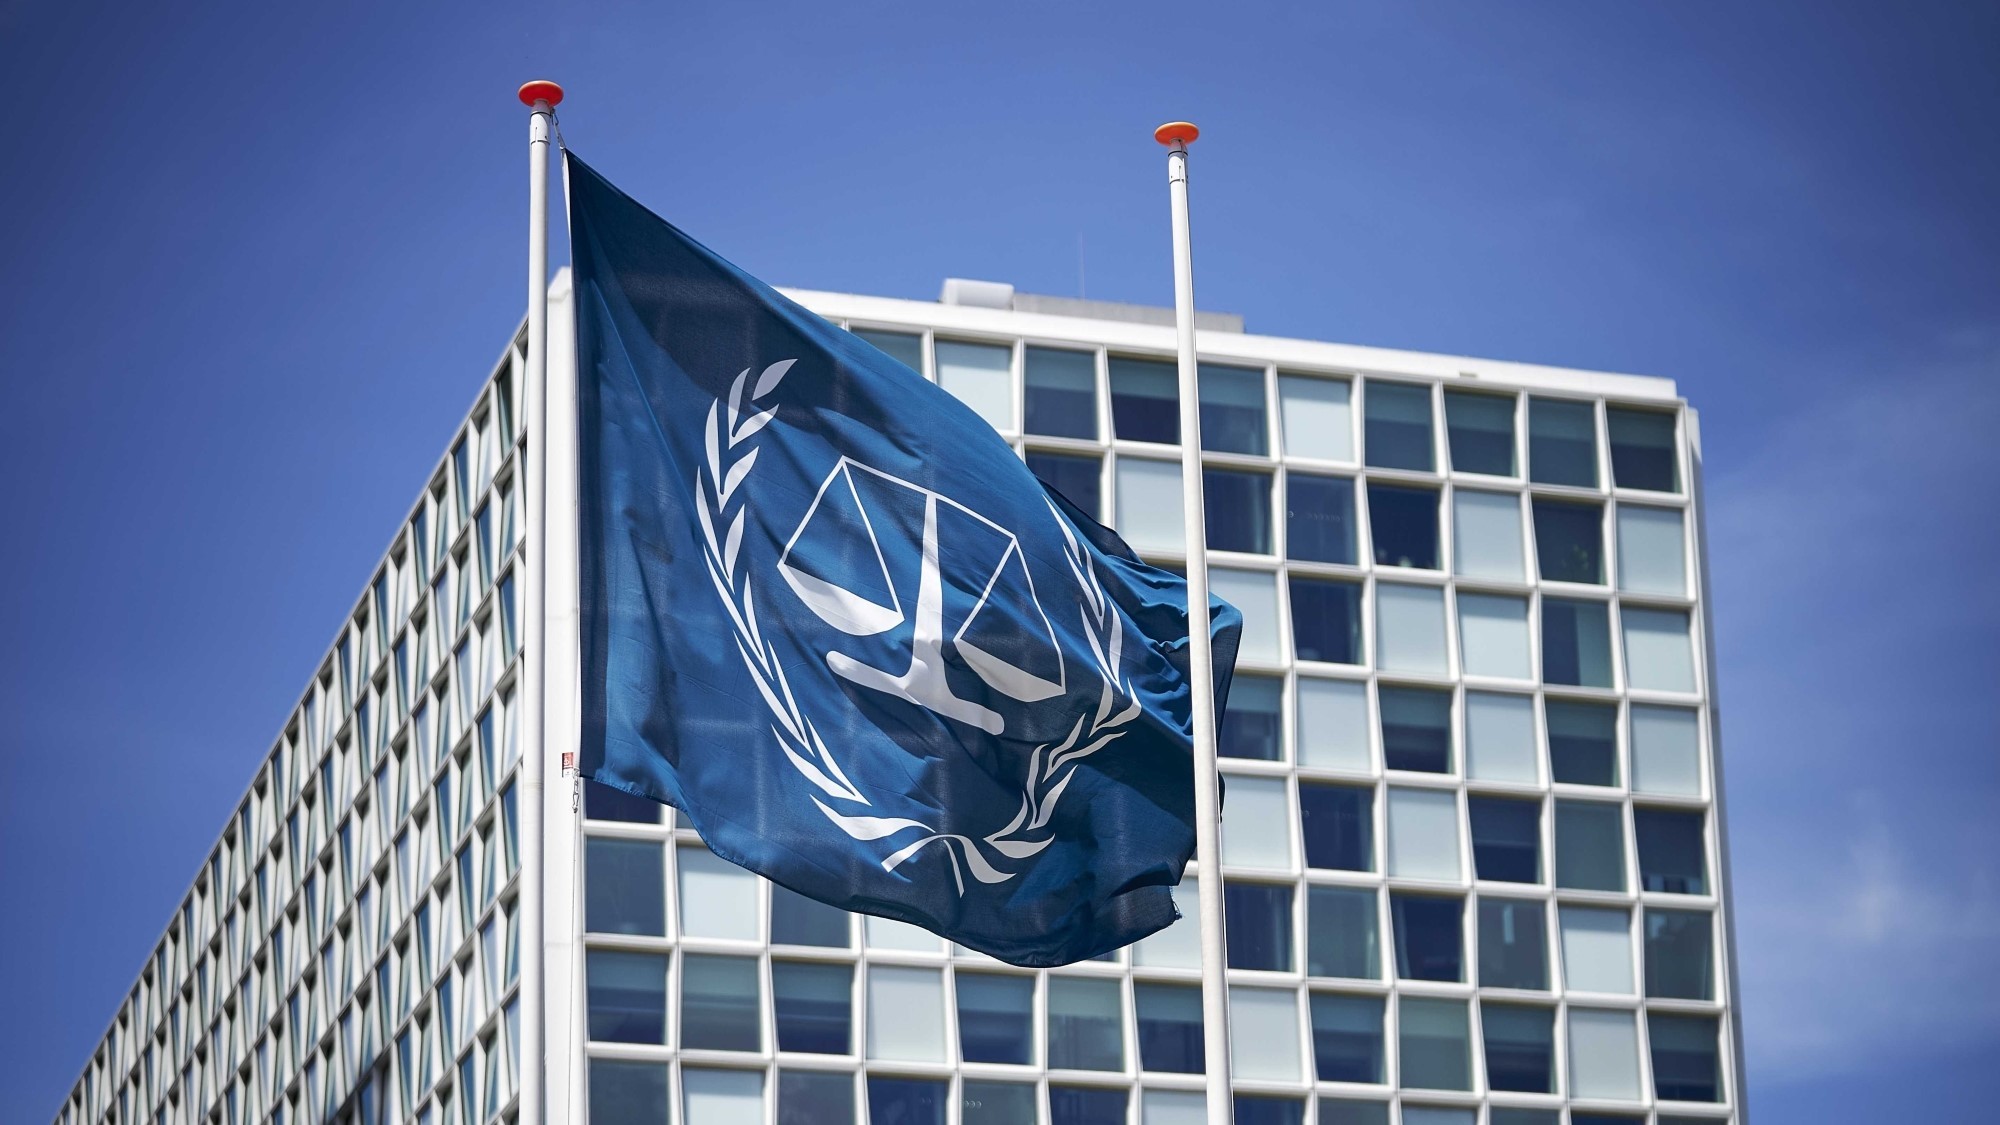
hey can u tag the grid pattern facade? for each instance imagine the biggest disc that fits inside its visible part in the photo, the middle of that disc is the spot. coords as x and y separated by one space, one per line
349 951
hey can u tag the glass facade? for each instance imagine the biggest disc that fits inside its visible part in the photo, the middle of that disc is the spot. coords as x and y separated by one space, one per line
1471 850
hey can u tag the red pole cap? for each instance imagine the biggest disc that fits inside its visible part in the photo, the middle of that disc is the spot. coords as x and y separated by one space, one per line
541 90
1171 134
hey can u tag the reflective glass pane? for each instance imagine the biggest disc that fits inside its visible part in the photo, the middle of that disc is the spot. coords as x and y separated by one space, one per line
1562 442
1409 629
812 1097
1342 935
1603 1054
907 1101
1347 1037
1396 418
980 376
1232 410
1658 655
1238 507
722 1097
1257 814
1149 505
717 898
1515 1115
1340 1111
1486 535
1480 431
1169 1027
1569 541
1652 556
813 1004
1680 954
1506 838
1590 846
1434 1042
1583 742
1179 945
1596 949
1253 724
996 1017
1319 518
1079 1105
1084 1024
798 920
1687 1064
1403 525
1416 729
626 1093
1326 620
1333 724
1172 1107
1500 737
1438 1115
719 1003
1061 392
1255 593
1513 944
602 802
1256 1109
902 347
1666 751
1079 479
1145 400
1258 917
1493 636
1338 823
888 933
625 887
1671 852
1520 1048
1642 449
905 1014
1423 834
1318 418
1430 937
996 1103
627 996
1264 1033
1576 643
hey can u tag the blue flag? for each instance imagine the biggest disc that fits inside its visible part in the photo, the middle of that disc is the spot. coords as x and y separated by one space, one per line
829 615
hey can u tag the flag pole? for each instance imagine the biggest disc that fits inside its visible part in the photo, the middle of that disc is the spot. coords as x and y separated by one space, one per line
1177 135
541 99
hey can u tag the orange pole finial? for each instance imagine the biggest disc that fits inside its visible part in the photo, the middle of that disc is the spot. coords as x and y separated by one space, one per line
1172 133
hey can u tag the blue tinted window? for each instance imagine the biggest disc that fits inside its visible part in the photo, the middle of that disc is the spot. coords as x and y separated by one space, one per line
1338 823
1434 1041
601 802
1326 620
1253 1110
906 1101
1079 479
1347 1037
1259 922
1145 400
1232 410
1076 1105
1396 426
995 1017
1562 442
1084 1023
813 1005
1252 726
1670 851
1430 939
1680 954
1238 507
1520 1048
1169 1027
1480 431
1642 450
1590 846
719 1001
626 1093
1061 392
624 888
1342 933
1339 1111
996 1103
902 347
1506 839
1686 1062
1583 742
798 920
1416 729
1514 1115
1403 525
1569 541
810 1097
1576 643
1319 518
627 996
1513 944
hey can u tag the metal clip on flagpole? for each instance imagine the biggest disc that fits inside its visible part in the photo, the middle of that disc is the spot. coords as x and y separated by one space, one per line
541 99
1177 135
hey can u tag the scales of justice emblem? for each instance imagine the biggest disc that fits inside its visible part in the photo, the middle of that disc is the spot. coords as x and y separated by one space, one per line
850 561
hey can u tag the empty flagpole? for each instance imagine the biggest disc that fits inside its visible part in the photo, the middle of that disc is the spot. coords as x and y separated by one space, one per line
541 99
1177 135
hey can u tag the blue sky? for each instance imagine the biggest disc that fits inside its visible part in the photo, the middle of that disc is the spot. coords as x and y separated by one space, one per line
259 256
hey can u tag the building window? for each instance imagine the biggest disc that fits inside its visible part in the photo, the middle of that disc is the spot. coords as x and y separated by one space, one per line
1486 535
1583 742
905 1015
806 1097
1169 1017
1603 1054
1079 479
980 376
1416 729
1590 846
720 1000
1084 1024
1562 442
627 996
1340 1111
1171 1107
812 1004
1256 1109
1319 518
1642 449
625 888
1658 654
1317 417
902 347
1061 392
1520 1048
1671 851
721 1097
1403 525
718 899
1666 751
1260 824
1326 620
1145 400
1255 594
996 1018
1252 727
996 1103
1500 737
1342 933
1338 822
907 1101
619 1091
1068 1105
1178 946
1434 1041
1576 643
1515 1115
1347 1037
1506 839
1596 949
1259 921
1513 944
602 802
1149 506
892 933
1480 432
1232 410
1652 551
1680 954
1396 418
1264 1034
1423 834
1686 1063
1238 508
1409 629
798 920
1569 541
1493 636
1430 937
1333 724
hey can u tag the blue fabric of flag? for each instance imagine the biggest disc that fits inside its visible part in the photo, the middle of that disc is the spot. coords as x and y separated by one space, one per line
828 613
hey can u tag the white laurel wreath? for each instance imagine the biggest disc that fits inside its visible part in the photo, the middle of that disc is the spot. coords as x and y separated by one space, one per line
1052 765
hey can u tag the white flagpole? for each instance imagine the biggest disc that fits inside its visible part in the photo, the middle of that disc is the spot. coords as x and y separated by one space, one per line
1177 135
541 99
